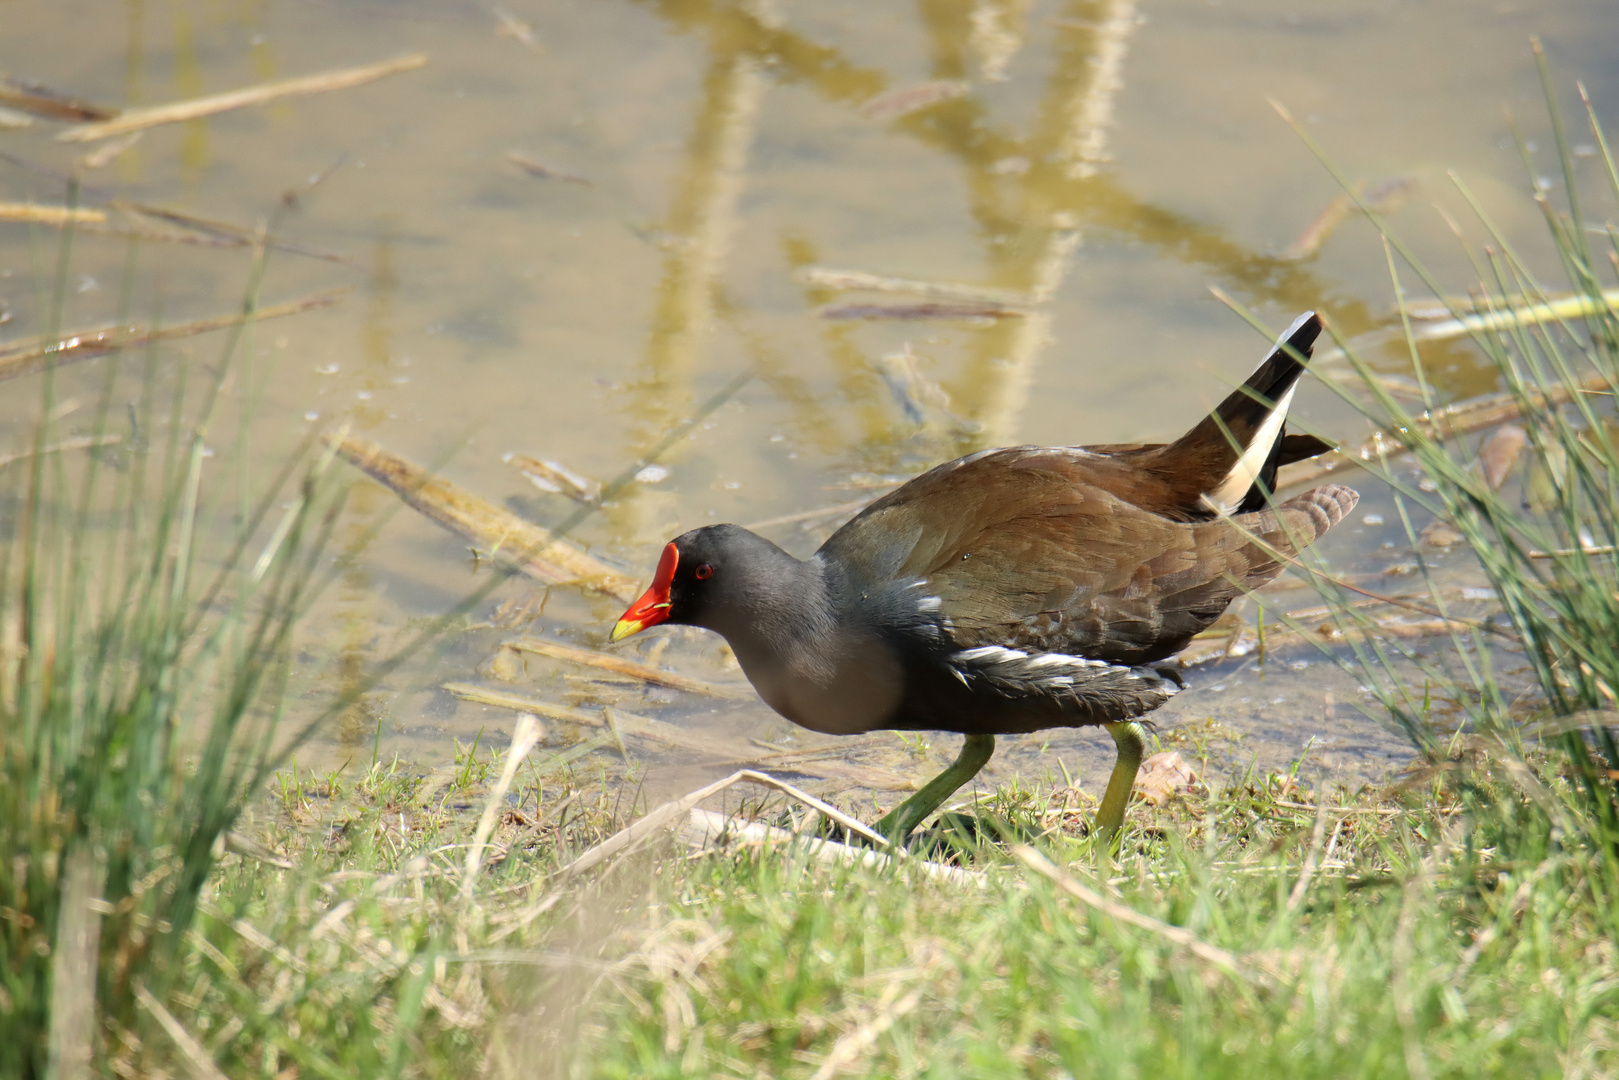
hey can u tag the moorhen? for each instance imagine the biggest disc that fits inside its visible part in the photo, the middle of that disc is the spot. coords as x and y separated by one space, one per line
1013 590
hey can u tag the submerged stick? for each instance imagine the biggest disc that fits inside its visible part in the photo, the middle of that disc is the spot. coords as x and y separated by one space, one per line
675 681
533 549
174 112
51 104
32 355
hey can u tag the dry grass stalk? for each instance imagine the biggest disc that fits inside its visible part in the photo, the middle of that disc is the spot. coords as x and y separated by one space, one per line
198 1063
1565 308
48 103
109 151
639 832
1211 954
706 830
174 112
534 550
558 651
528 733
23 357
58 216
827 278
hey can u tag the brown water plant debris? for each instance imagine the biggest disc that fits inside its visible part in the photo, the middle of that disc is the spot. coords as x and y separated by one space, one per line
225 233
20 358
497 532
544 171
174 112
50 104
555 477
904 100
675 681
1384 197
930 310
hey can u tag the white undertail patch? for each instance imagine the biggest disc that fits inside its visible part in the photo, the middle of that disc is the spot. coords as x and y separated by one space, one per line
1228 494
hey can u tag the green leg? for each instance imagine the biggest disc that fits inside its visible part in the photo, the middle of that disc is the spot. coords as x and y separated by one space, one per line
1110 816
898 822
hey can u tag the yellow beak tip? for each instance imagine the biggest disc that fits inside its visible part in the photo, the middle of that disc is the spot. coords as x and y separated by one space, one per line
623 629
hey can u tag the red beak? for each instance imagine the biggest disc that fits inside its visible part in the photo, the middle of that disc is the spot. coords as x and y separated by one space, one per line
653 607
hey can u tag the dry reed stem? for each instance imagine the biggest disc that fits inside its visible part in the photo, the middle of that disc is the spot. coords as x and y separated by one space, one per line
1451 421
140 119
1317 837
23 357
825 277
1211 954
534 550
58 216
527 734
645 672
198 1063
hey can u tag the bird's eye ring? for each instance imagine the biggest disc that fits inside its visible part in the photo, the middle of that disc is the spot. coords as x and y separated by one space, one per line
704 571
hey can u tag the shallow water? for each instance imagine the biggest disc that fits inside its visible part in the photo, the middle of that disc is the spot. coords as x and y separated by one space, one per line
1106 162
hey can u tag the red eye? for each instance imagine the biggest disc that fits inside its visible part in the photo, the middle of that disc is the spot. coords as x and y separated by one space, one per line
704 572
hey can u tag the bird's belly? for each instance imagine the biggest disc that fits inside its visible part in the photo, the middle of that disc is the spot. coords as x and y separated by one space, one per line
859 690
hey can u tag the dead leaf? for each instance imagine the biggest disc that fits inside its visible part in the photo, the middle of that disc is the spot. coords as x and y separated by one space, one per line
1499 452
1440 534
1163 776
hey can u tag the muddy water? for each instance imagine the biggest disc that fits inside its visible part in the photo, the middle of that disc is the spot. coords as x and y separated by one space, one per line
1101 163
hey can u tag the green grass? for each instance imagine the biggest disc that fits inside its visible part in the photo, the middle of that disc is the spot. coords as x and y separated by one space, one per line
165 911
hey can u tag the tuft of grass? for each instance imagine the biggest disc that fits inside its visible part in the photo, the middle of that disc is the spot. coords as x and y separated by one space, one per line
1547 541
143 650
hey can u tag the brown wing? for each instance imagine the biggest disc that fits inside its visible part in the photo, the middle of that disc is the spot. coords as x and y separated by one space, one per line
1026 551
